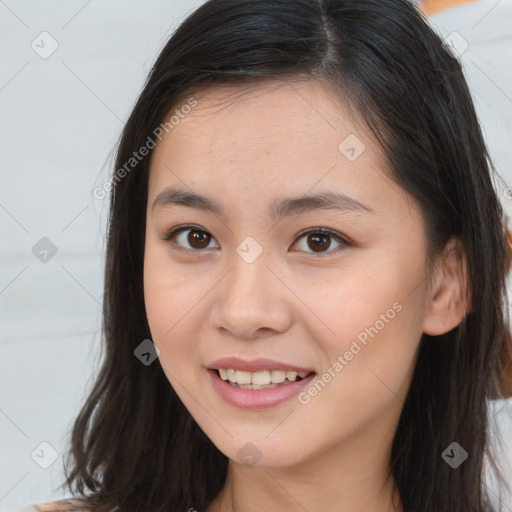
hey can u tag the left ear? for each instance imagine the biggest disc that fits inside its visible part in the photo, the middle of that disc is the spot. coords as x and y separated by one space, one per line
449 299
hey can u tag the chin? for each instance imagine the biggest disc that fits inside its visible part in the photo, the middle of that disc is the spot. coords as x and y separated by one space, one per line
261 452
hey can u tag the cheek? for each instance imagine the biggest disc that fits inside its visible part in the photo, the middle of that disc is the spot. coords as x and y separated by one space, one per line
370 319
168 290
176 302
369 359
338 309
167 304
167 299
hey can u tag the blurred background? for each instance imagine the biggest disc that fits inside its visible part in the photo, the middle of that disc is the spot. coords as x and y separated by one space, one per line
70 73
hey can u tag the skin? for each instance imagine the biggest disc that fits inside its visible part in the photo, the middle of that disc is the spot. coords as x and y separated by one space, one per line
280 140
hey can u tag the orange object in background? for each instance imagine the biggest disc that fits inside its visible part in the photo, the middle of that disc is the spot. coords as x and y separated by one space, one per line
433 6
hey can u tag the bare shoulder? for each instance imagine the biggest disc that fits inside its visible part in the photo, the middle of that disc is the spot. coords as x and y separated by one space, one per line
69 505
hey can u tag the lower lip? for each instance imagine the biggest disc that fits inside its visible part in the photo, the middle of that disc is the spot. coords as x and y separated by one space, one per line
257 398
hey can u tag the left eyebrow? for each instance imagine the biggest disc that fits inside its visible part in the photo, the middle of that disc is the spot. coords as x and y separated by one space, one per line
279 208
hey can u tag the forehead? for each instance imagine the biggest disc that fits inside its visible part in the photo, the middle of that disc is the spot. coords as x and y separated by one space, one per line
298 106
275 131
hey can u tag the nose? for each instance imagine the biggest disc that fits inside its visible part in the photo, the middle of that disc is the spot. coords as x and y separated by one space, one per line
251 301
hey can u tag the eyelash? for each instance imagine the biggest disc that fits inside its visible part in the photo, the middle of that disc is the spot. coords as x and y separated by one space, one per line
333 234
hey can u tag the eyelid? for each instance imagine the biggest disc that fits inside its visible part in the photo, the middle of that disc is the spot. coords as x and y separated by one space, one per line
182 227
334 234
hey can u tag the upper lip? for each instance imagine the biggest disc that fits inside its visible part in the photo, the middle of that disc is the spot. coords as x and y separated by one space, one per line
255 365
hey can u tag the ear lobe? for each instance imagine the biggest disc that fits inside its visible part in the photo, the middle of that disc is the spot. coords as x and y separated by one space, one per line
449 299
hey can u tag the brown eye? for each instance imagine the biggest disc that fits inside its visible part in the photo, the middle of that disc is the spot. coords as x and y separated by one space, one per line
188 238
319 241
198 239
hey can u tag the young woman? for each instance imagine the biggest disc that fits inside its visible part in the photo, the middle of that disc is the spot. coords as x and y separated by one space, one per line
305 279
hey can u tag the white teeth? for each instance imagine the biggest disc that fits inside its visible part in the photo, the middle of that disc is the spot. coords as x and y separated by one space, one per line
291 376
242 377
261 378
278 376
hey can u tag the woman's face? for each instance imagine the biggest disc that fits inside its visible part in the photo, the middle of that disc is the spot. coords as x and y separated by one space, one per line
313 259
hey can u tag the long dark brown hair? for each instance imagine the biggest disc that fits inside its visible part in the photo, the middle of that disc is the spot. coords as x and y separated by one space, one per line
134 446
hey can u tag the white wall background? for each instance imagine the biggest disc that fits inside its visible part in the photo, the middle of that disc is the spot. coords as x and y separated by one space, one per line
60 117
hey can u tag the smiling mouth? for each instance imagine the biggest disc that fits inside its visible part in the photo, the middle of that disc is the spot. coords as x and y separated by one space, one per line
260 380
